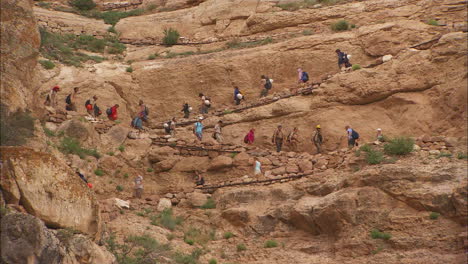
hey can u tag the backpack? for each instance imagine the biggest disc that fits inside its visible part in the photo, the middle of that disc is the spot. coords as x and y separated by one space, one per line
68 99
268 84
354 134
305 77
109 111
146 110
97 111
88 102
246 139
290 135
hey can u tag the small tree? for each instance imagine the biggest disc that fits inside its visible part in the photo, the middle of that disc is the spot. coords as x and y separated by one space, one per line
171 36
83 4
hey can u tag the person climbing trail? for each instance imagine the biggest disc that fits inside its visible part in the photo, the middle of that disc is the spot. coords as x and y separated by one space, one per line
138 186
343 60
217 135
380 136
78 172
353 137
318 139
278 138
186 109
293 139
267 85
51 99
71 99
112 112
89 104
137 122
205 103
170 126
198 128
257 167
238 96
302 80
199 178
143 111
250 137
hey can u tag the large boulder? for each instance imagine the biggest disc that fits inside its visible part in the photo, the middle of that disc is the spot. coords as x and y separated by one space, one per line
164 203
25 239
49 190
114 137
157 154
197 199
76 129
220 162
242 159
236 216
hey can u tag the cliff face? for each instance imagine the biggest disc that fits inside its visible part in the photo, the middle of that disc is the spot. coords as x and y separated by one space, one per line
20 43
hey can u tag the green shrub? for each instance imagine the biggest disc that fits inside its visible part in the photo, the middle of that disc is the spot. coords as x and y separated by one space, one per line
129 69
116 48
83 4
356 67
212 261
444 155
151 7
189 241
99 172
307 32
241 247
121 148
110 153
149 170
270 244
111 29
461 155
399 146
236 44
341 25
374 157
166 219
49 132
209 204
47 64
119 188
171 37
228 235
151 57
44 4
69 145
366 148
112 17
125 175
433 22
434 215
376 234
198 236
181 258
15 128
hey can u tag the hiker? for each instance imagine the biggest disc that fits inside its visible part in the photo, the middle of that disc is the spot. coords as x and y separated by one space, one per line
143 111
293 139
267 85
71 100
343 60
198 128
217 132
317 139
137 122
353 137
97 110
51 99
250 137
170 126
205 103
303 77
257 167
138 186
200 180
112 112
380 136
186 109
83 178
89 104
237 95
278 138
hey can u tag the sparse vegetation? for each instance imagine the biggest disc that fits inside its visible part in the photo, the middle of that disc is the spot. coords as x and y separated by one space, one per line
234 154
270 244
241 247
99 172
228 235
375 251
209 204
83 4
198 236
356 67
171 36
444 155
112 29
212 261
47 64
433 22
341 25
166 219
110 153
236 44
376 234
374 157
69 145
119 188
129 69
121 148
149 169
44 4
15 128
461 155
152 57
48 132
65 235
399 146
307 32
434 215
181 258
125 176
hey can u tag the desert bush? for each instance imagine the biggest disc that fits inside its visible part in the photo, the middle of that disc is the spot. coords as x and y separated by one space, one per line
47 64
212 261
171 36
152 57
434 215
48 132
192 258
99 172
83 4
444 155
129 69
461 155
209 204
166 219
126 176
112 17
228 235
356 67
121 148
15 127
70 145
374 157
341 25
149 170
110 153
197 236
433 22
241 247
119 188
376 234
399 146
270 244
307 32
236 44
112 29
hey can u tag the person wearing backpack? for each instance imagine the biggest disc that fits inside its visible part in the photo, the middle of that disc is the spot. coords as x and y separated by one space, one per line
293 139
317 139
205 103
303 77
218 134
143 111
267 85
51 99
170 126
278 138
138 183
71 100
250 137
198 128
89 104
343 60
237 95
112 112
353 137
186 109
